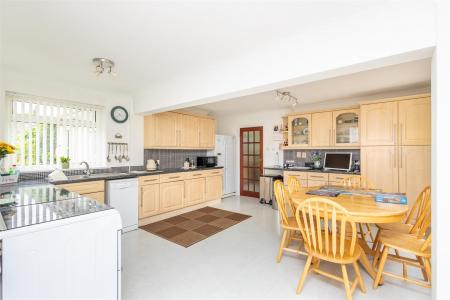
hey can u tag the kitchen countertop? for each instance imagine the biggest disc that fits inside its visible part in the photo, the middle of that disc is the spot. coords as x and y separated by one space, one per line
41 203
132 174
280 168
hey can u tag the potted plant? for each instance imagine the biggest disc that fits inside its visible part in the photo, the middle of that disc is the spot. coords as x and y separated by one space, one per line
5 149
65 160
316 158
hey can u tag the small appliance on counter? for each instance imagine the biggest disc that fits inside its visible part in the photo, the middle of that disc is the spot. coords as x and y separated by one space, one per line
152 165
206 161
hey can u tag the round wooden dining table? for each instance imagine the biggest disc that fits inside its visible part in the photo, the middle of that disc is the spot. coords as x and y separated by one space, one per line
363 209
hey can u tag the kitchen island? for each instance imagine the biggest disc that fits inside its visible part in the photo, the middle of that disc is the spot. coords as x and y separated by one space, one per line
57 244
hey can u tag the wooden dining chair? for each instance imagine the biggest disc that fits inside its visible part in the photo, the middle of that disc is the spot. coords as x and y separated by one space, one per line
323 224
289 225
360 182
410 225
294 185
412 243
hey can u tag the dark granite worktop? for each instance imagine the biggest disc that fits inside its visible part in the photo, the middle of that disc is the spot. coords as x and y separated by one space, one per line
297 169
132 174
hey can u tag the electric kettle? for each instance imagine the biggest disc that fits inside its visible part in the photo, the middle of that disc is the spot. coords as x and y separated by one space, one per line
151 164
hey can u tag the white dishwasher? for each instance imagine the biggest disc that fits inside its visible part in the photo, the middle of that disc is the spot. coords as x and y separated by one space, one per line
122 194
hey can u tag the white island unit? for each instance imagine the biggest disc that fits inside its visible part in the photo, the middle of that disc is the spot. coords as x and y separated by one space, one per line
58 245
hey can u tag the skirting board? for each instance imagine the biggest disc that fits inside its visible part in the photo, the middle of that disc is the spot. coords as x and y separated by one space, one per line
153 219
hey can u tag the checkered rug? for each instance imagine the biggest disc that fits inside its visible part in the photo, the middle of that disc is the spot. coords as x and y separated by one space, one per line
192 227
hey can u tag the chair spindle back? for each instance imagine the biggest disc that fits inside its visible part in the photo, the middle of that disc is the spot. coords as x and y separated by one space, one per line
282 198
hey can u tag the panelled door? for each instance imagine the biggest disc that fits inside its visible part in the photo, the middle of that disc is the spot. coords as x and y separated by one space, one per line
251 160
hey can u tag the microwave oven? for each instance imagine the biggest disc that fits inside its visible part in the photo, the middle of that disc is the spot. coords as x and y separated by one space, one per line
206 161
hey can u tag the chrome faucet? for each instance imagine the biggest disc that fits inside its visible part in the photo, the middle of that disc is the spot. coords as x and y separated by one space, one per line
88 170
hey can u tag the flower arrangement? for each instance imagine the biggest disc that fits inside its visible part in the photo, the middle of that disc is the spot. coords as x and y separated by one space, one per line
6 149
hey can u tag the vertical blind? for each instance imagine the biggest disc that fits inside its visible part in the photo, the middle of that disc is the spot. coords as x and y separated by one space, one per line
45 129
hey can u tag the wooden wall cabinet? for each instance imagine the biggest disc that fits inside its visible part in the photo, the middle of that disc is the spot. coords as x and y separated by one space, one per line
379 124
172 130
195 191
346 128
299 131
91 189
414 118
321 129
171 195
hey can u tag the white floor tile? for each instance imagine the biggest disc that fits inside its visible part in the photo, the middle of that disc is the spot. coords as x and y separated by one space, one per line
237 263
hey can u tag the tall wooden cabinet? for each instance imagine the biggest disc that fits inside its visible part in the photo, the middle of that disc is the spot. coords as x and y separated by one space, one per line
173 130
396 144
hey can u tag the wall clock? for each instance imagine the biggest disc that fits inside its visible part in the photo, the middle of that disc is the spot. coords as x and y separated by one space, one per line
119 114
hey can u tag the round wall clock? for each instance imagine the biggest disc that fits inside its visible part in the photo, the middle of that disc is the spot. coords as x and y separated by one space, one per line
119 114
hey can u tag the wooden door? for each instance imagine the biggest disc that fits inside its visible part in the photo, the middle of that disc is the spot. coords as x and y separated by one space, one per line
188 131
207 134
149 200
415 122
251 160
299 127
321 129
195 191
379 124
346 128
214 187
380 166
171 195
414 170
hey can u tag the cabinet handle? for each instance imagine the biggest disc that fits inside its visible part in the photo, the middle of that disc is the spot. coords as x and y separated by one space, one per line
329 136
401 158
312 176
395 159
395 134
150 180
174 177
401 134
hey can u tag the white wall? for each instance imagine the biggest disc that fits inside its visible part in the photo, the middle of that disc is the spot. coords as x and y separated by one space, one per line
385 33
132 130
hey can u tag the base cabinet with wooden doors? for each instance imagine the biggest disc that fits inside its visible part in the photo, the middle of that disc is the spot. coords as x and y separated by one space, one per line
166 193
91 189
314 179
174 130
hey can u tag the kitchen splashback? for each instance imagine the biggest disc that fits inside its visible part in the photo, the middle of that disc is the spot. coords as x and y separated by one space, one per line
169 158
299 161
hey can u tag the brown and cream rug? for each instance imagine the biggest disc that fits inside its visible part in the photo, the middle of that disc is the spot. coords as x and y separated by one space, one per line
194 226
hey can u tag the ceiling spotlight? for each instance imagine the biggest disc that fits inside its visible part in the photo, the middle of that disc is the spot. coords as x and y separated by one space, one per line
286 97
103 65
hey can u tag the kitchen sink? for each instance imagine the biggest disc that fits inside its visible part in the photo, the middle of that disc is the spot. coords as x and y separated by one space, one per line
97 175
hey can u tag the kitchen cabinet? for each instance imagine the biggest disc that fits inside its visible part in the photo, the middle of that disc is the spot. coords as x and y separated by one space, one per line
207 133
299 127
379 164
172 130
90 189
302 176
214 187
161 130
188 131
195 191
414 170
171 195
379 124
415 121
314 179
321 129
346 127
149 200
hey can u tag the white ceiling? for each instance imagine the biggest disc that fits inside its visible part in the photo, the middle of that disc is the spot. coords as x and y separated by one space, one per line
401 77
150 41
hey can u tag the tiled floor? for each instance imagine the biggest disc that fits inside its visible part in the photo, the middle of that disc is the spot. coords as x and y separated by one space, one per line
237 263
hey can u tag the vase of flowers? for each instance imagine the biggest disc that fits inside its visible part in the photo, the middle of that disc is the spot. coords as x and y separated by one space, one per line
316 158
5 149
65 161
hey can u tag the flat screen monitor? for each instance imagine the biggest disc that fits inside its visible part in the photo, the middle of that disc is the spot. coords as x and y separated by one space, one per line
338 161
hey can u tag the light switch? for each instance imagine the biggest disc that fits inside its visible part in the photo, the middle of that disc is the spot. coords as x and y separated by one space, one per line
303 154
299 154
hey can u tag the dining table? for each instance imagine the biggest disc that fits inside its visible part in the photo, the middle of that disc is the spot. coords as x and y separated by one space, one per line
362 208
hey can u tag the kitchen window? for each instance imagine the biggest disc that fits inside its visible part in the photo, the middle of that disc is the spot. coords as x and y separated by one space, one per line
43 130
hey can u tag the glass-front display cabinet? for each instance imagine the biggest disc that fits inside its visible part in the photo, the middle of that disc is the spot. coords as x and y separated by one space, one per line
299 130
346 127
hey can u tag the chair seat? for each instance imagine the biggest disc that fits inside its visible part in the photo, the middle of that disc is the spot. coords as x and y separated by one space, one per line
345 259
397 227
405 242
292 224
